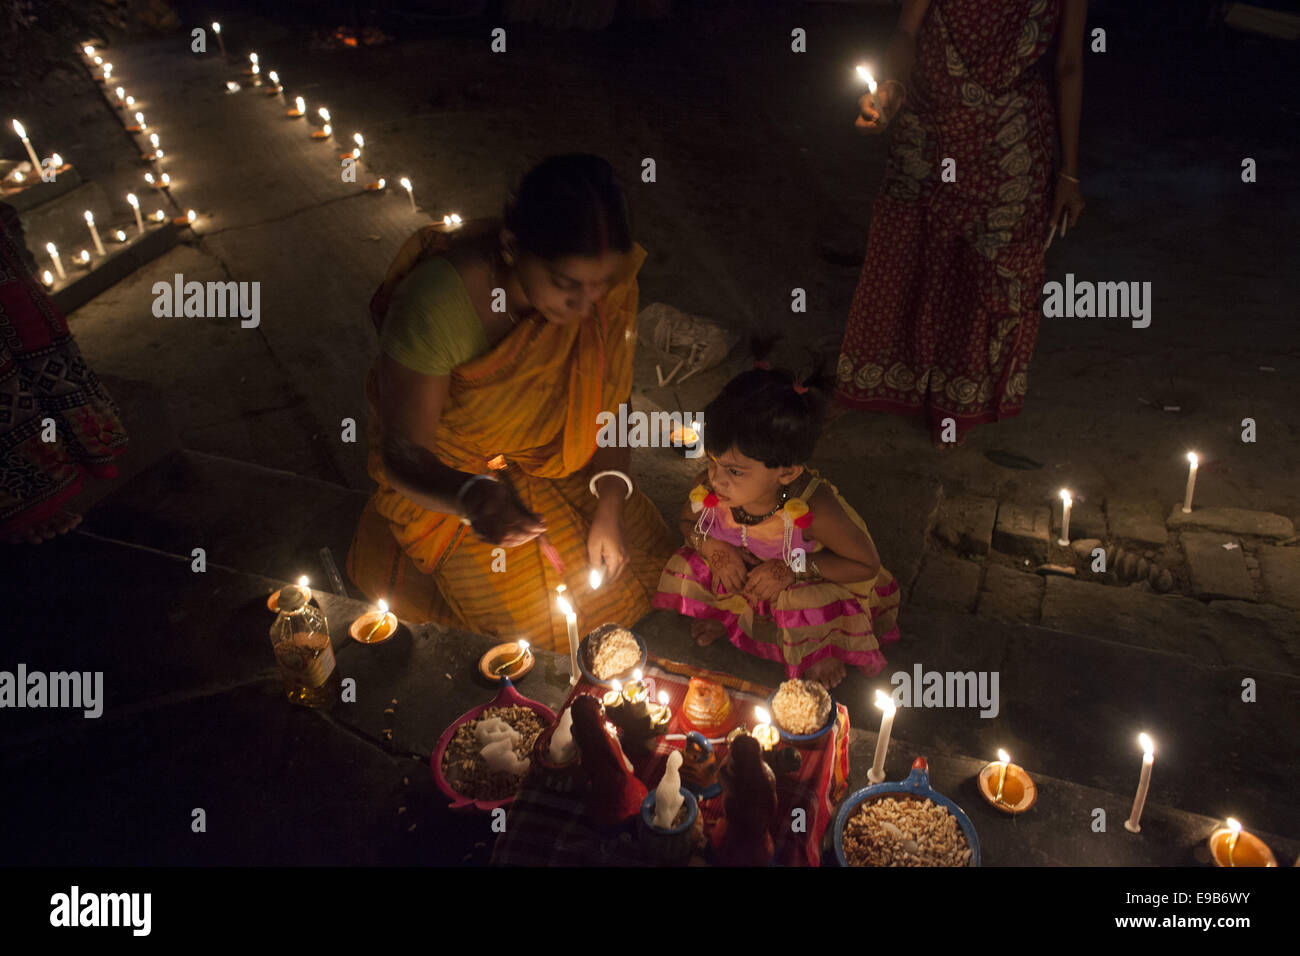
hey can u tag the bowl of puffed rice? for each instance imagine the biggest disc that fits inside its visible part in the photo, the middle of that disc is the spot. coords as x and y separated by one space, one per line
458 766
803 712
610 653
904 823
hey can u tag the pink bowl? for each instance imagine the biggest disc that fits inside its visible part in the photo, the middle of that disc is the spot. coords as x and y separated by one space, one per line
508 697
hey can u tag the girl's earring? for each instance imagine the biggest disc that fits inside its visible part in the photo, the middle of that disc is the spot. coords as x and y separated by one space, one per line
785 492
507 257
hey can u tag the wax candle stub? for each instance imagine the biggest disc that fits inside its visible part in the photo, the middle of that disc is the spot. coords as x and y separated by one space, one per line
1192 462
668 795
1066 504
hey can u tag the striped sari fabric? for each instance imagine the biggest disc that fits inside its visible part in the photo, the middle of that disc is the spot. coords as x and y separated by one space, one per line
533 399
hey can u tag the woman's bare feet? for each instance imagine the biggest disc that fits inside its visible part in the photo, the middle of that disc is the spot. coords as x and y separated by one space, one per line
706 630
60 523
828 671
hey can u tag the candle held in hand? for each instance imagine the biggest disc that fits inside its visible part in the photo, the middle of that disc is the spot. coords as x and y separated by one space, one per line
1144 783
886 704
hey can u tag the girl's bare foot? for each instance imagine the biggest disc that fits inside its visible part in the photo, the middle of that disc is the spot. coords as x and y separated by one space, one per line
706 630
828 671
57 524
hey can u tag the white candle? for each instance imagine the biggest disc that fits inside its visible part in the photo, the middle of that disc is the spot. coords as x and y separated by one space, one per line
1066 503
324 114
94 233
108 72
139 121
886 703
1144 783
88 50
135 205
27 143
300 105
153 141
48 278
120 93
571 620
216 28
1191 482
58 263
130 101
406 184
866 76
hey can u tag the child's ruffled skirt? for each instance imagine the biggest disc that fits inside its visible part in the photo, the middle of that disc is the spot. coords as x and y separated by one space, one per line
814 619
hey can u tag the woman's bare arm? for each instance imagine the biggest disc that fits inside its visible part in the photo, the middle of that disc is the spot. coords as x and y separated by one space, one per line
1069 83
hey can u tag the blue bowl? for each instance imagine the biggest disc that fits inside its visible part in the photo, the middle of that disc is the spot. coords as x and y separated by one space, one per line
917 784
648 813
592 678
668 847
803 740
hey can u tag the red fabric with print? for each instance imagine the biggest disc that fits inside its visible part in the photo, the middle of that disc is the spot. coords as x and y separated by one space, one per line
945 316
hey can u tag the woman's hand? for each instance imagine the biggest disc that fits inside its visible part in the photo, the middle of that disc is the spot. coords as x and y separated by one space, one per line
605 542
767 581
876 110
727 564
1067 201
496 518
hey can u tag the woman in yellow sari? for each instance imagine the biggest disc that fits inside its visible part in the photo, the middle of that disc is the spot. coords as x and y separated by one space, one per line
497 353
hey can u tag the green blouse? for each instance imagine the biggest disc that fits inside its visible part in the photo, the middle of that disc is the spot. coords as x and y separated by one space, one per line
432 326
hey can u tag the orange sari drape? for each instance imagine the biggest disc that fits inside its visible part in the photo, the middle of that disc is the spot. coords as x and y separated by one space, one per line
534 398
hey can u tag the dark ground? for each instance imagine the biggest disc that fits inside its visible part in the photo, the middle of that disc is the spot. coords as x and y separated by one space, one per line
763 185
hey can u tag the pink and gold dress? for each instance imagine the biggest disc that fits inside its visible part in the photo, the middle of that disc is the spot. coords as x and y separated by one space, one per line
814 619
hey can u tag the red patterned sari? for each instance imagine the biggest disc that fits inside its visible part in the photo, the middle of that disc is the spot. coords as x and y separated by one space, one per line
42 375
945 315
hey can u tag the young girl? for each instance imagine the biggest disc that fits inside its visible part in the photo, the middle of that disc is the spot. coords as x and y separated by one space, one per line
767 535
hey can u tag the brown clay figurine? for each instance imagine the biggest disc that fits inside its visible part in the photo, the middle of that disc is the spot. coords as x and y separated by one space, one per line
741 838
614 793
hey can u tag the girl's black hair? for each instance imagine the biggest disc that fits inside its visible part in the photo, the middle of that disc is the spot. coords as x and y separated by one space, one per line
761 414
569 206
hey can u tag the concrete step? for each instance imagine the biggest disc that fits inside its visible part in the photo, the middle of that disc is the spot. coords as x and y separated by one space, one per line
38 193
257 520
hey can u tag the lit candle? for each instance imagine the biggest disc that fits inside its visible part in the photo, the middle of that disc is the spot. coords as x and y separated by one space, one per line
571 620
153 141
595 577
406 184
135 205
275 81
98 60
58 263
359 140
56 161
140 125
159 215
121 94
452 221
88 50
765 733
94 233
299 107
17 176
1235 827
1004 758
614 696
253 68
83 257
376 186
130 101
47 278
120 236
191 215
636 694
232 86
27 143
1191 482
324 114
216 28
886 704
1066 503
1144 783
165 182
867 78
108 71
148 177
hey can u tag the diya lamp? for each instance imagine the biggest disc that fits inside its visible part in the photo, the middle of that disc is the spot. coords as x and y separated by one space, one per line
356 152
451 222
1006 785
277 88
253 67
120 235
83 257
377 186
140 125
187 219
325 132
97 60
232 86
158 215
121 95
765 733
299 108
374 627
1234 846
130 102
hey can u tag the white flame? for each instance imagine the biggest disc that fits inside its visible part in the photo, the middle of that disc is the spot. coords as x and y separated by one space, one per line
762 716
1234 825
191 215
1065 496
1003 756
300 104
302 581
18 128
1148 745
90 217
405 183
1192 459
595 577
865 74
663 698
216 27
130 197
358 139
884 702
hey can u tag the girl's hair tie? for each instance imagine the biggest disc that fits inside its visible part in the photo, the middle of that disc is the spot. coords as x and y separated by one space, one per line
758 363
800 387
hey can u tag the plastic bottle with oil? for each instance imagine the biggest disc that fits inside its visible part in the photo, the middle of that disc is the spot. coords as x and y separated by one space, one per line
300 637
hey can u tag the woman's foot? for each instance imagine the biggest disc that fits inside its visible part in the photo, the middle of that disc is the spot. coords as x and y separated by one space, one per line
828 671
706 631
60 523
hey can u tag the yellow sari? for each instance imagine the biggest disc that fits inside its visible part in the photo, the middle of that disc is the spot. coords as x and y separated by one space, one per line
534 399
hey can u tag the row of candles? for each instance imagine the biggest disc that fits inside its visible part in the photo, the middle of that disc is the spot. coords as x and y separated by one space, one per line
1230 834
1067 502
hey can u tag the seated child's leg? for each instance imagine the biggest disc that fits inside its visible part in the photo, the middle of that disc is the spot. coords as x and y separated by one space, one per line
686 586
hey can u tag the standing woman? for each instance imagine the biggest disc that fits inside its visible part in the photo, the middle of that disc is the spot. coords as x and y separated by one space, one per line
498 352
945 316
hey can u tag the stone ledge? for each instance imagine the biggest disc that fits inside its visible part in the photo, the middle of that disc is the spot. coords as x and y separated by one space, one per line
1217 566
1257 524
1280 574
